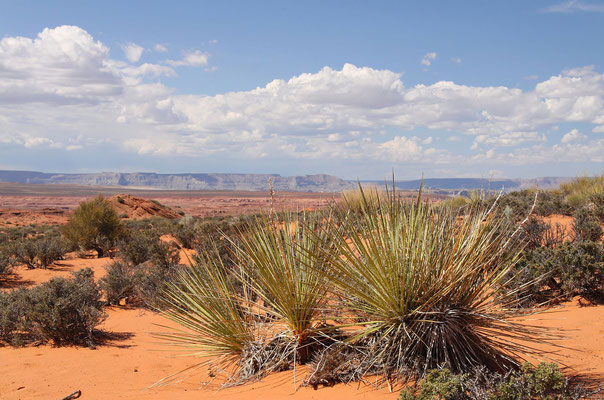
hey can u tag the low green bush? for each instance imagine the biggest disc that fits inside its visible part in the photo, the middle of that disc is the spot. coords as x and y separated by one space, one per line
517 205
163 255
12 234
159 272
136 247
94 225
141 283
586 225
439 384
185 231
560 272
596 203
25 252
64 311
543 382
38 253
119 283
583 191
158 225
6 263
533 232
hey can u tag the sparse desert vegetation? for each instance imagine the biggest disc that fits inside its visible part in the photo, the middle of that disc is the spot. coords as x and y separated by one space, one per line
376 285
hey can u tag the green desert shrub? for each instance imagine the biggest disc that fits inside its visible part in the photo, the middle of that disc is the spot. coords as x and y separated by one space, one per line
542 382
136 246
25 252
13 234
533 232
6 262
597 206
537 233
158 225
586 226
94 225
12 322
119 283
517 205
141 283
439 384
185 232
39 253
156 275
64 311
560 273
50 250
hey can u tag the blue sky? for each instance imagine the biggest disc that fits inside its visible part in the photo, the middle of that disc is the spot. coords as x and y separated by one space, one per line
354 89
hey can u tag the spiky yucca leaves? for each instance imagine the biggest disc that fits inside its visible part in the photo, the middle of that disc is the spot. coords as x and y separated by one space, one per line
215 323
282 264
422 283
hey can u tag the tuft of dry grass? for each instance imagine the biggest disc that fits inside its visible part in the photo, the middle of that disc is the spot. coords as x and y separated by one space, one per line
583 190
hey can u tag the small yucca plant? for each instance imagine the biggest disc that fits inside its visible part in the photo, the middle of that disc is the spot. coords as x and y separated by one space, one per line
422 285
281 264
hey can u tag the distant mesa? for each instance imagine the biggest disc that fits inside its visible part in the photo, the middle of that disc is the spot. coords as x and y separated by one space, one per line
259 182
242 182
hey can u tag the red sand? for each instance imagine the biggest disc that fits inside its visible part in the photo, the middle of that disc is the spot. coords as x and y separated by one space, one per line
125 366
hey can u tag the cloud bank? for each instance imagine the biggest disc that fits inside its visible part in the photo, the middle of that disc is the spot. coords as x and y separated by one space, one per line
62 90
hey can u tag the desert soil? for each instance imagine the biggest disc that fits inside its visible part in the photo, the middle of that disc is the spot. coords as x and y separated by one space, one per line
126 364
25 204
130 360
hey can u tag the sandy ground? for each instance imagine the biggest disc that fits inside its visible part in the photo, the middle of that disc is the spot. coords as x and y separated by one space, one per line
131 360
22 204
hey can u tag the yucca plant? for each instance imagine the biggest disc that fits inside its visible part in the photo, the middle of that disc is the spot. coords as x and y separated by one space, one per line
213 319
281 263
421 286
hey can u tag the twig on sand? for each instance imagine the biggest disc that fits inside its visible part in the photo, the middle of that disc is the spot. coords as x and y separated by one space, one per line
74 395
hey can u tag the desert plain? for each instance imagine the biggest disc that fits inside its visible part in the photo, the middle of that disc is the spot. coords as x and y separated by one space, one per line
129 360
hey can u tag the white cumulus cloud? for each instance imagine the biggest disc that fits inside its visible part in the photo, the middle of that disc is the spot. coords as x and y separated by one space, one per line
428 58
62 90
160 48
573 137
133 52
195 58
